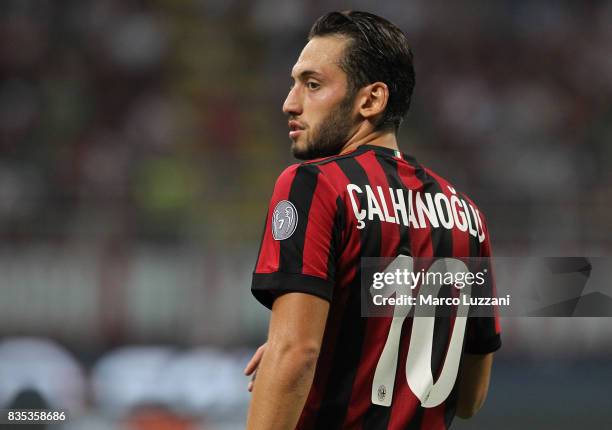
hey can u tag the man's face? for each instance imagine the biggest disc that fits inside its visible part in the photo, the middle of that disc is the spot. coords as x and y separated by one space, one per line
319 105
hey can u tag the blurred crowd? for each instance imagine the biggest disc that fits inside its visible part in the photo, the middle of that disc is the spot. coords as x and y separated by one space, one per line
126 120
140 140
160 120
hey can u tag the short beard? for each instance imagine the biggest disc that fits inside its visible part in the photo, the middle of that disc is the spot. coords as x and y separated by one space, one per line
331 135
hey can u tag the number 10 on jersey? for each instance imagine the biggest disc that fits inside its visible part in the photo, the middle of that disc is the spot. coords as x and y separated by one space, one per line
418 363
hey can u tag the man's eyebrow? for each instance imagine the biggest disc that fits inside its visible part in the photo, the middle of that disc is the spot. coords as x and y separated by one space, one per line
305 74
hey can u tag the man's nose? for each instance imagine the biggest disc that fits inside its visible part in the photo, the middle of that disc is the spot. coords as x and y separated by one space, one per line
292 105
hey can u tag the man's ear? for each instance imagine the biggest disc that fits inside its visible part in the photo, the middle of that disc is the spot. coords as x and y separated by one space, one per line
373 100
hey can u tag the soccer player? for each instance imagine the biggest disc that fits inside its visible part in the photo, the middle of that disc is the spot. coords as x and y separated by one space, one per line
357 195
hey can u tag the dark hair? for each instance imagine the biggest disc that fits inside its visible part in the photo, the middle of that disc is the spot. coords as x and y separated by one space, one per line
378 51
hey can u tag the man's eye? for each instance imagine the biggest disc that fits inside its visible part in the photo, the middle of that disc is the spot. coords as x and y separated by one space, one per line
312 85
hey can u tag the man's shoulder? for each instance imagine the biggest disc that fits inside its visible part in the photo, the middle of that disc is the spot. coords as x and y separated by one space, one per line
308 177
448 187
314 167
304 169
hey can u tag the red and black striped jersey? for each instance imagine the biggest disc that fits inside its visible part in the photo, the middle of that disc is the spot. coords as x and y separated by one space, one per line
326 215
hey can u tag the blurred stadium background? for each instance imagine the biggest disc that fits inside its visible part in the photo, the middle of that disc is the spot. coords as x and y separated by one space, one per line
139 144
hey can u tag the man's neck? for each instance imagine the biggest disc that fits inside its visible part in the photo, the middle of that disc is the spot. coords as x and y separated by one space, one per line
385 139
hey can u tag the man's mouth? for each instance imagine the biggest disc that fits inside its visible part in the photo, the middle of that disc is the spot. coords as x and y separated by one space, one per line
295 128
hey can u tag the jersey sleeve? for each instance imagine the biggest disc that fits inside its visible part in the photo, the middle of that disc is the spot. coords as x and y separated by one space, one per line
483 334
301 237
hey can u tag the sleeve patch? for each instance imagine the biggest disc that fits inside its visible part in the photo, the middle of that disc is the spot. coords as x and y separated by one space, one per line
284 220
